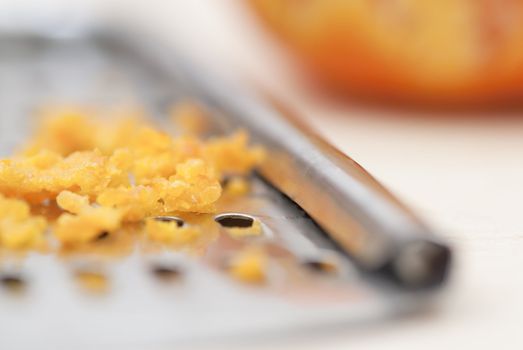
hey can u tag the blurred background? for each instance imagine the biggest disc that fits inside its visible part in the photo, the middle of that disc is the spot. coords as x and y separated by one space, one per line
427 95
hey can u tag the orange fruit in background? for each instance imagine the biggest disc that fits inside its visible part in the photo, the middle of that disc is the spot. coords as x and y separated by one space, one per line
436 51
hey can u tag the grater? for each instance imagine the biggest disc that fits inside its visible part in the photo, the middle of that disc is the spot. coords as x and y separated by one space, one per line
316 207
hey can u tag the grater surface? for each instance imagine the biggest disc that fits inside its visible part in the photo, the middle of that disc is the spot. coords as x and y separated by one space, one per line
205 303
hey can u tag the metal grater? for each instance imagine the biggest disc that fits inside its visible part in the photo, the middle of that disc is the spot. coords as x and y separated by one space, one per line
104 68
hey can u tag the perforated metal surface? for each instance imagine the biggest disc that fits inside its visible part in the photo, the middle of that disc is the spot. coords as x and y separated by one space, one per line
138 309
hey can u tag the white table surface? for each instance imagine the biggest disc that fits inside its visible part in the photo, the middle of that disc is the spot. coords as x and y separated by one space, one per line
463 175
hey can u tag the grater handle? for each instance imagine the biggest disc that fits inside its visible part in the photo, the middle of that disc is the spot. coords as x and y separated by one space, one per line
373 227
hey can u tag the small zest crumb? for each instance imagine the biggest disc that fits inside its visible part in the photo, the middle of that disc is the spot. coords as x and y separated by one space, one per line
87 226
190 118
229 156
240 232
72 202
18 228
93 282
170 233
237 186
249 266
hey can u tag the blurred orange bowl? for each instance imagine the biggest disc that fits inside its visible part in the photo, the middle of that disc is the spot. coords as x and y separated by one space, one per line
429 51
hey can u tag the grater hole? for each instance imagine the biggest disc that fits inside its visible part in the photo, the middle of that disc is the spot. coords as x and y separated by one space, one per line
179 221
166 272
234 220
225 181
320 266
12 282
102 236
